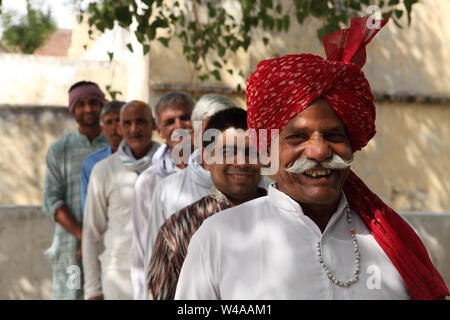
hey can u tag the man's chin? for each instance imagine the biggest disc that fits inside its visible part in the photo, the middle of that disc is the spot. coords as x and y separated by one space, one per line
89 123
320 196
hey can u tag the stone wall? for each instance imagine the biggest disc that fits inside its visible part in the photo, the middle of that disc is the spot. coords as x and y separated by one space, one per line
26 133
26 232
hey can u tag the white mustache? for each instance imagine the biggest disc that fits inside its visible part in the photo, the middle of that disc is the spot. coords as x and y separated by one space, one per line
303 164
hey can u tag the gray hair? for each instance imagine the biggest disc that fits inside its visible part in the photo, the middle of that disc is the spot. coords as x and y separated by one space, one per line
112 106
210 104
171 98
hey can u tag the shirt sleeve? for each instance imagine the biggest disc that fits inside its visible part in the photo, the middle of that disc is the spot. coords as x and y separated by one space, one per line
85 173
196 281
163 270
143 190
156 218
54 185
94 226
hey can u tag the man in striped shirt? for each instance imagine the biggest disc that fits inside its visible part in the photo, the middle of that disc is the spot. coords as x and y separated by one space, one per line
234 183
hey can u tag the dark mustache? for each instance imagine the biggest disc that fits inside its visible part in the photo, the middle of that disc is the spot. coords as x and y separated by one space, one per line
241 171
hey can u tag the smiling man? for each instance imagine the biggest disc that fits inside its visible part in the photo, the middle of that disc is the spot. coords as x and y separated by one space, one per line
235 182
320 233
61 191
108 203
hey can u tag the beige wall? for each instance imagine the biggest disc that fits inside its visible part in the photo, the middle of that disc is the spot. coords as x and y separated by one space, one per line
406 163
413 61
40 80
26 232
25 136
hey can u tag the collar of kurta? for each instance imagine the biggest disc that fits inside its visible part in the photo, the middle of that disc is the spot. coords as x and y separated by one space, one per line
221 197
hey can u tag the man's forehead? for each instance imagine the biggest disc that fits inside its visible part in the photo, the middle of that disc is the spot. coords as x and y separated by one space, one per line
85 99
112 114
233 132
318 115
172 109
135 110
233 137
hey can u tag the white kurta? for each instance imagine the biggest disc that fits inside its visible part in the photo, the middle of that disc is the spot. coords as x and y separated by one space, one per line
107 230
174 193
161 167
266 249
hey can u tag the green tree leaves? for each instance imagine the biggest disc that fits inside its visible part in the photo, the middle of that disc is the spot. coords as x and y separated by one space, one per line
29 33
212 31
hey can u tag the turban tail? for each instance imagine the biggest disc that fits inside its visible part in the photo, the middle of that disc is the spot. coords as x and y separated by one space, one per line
282 87
85 91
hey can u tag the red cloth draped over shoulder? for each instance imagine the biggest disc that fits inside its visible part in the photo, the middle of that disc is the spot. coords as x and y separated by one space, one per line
398 240
281 88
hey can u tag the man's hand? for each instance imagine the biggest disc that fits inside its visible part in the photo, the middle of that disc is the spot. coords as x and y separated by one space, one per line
79 254
97 298
65 219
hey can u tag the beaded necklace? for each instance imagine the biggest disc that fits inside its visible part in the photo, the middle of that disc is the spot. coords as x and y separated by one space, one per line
332 278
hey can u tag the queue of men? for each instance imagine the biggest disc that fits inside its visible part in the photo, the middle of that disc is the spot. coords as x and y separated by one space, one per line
194 218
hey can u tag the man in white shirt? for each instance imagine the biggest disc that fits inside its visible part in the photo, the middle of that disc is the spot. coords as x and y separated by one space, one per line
173 111
107 227
320 233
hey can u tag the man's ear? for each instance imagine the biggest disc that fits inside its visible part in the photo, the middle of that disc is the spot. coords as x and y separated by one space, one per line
119 128
206 159
158 129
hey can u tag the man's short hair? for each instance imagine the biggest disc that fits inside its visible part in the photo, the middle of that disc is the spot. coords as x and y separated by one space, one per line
82 83
170 98
112 106
209 104
228 118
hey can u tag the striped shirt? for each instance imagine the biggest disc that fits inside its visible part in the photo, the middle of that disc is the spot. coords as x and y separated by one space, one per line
172 243
62 187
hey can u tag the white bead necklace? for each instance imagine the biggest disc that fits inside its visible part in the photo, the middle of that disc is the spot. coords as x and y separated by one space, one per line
332 278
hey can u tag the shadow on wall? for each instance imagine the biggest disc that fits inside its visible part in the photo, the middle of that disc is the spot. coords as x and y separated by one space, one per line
406 163
26 133
25 233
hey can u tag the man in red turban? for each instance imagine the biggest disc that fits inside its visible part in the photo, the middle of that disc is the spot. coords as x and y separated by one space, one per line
320 233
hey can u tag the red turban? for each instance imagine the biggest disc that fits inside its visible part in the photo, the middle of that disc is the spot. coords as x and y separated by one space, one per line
283 87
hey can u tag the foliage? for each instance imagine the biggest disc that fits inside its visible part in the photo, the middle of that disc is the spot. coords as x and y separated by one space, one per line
211 30
113 93
30 32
